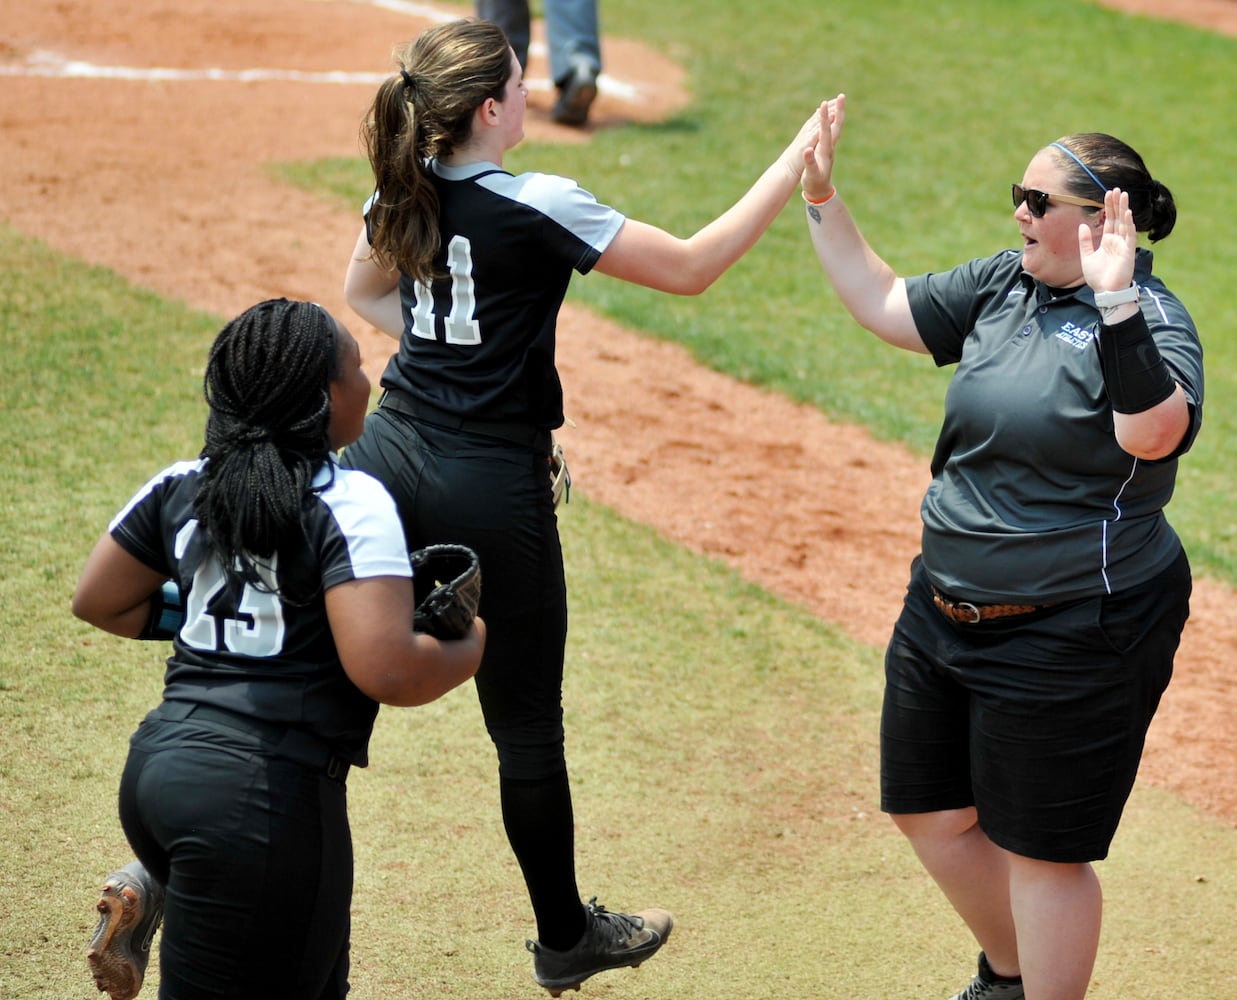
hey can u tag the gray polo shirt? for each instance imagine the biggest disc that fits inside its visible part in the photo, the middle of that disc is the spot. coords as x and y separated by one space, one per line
1031 499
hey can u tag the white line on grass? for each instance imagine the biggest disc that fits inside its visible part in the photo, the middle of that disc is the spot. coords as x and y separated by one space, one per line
51 64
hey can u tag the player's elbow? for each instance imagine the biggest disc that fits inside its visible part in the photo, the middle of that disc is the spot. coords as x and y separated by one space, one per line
697 285
398 692
82 608
359 297
688 277
93 609
392 688
389 677
420 671
88 605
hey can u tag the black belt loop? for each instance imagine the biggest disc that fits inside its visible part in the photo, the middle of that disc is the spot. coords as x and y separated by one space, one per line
176 711
283 741
505 430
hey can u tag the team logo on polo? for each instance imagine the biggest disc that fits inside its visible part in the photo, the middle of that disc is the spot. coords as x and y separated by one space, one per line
1078 337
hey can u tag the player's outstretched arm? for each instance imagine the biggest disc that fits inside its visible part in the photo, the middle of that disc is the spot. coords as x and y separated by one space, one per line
371 620
646 255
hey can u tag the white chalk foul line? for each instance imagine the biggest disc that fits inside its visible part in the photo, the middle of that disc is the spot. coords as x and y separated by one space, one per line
53 65
50 64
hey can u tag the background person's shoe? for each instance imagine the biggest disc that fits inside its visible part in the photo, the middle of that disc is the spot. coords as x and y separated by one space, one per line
576 95
987 985
610 941
130 911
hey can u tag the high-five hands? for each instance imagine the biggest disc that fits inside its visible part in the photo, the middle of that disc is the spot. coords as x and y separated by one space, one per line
818 155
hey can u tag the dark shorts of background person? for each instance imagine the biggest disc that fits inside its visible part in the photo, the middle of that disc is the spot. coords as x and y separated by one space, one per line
255 852
1037 720
455 485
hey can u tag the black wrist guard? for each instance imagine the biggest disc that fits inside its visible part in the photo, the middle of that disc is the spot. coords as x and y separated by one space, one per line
1135 374
167 613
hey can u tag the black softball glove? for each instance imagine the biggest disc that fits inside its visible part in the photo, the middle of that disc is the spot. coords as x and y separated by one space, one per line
446 582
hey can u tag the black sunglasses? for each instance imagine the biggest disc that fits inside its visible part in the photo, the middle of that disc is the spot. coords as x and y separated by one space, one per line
1037 201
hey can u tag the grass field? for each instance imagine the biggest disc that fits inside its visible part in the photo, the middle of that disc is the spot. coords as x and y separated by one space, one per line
722 743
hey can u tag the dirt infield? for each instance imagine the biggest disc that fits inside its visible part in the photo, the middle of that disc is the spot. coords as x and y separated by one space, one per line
160 176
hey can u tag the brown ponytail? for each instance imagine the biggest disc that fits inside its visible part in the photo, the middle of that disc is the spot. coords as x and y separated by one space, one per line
426 110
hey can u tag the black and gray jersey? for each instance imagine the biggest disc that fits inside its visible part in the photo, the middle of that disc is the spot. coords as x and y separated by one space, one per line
257 649
480 341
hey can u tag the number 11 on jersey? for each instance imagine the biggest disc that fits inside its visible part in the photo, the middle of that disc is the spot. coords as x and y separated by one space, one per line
460 325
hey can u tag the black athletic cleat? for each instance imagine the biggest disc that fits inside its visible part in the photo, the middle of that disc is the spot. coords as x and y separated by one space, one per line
130 911
987 985
610 941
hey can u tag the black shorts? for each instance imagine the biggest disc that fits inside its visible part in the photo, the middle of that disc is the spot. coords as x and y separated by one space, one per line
1038 721
494 496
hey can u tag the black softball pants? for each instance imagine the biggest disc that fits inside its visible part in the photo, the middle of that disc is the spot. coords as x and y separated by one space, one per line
493 496
255 853
453 485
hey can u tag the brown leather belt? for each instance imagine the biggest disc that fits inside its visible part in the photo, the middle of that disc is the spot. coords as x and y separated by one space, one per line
966 613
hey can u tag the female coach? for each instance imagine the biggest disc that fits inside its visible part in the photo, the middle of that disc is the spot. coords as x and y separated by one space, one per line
1042 616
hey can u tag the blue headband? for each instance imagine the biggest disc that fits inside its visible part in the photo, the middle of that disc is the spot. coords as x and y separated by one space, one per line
1070 153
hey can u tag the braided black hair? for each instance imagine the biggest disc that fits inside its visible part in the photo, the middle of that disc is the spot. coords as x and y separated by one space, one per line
267 384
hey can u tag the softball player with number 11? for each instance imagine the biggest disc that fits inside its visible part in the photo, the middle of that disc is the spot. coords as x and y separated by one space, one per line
467 264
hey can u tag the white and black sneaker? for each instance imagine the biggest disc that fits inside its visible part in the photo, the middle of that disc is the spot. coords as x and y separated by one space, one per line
130 911
987 985
610 941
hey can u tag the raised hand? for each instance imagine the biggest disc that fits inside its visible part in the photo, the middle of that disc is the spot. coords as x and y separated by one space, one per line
818 156
1108 263
809 131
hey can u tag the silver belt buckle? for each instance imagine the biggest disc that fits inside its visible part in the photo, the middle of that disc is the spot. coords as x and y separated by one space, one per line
968 606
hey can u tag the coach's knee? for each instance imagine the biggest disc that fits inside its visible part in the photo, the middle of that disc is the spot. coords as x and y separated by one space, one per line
936 826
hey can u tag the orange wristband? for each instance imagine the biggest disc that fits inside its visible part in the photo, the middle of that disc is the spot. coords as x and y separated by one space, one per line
813 201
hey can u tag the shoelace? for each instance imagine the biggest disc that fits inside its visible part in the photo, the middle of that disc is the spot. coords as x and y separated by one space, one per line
616 927
979 989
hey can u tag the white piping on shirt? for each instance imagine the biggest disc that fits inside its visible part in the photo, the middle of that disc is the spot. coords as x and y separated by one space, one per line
1116 505
1159 304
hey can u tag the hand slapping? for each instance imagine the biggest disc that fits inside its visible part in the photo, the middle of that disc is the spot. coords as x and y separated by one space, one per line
818 155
